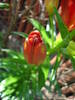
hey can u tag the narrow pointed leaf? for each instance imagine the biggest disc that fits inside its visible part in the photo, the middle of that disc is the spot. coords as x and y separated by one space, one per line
22 34
63 29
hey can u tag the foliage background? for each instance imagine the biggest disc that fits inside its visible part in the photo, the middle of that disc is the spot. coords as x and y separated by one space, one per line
20 80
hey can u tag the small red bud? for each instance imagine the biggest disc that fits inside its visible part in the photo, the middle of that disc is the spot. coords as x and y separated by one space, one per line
34 48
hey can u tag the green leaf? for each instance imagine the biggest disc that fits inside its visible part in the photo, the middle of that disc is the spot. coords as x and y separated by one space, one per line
16 71
1 40
4 5
57 88
42 30
41 78
73 62
72 34
63 29
45 67
71 48
62 43
22 34
13 53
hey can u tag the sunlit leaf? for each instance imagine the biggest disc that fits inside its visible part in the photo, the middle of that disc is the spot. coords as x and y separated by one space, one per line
71 48
4 5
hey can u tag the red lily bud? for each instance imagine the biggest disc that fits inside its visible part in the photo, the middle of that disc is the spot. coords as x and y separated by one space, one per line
50 4
67 11
34 48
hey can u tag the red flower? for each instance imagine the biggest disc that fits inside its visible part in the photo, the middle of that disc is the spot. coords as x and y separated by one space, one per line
34 48
67 11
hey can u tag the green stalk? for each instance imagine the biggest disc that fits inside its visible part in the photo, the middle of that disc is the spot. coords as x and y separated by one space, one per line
52 29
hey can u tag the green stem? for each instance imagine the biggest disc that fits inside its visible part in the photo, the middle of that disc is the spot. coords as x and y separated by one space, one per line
51 29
